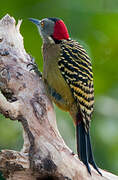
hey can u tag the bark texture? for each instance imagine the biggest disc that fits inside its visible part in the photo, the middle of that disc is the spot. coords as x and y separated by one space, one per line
44 153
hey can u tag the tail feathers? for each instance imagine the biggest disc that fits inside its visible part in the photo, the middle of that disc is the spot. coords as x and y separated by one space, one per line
84 148
82 145
90 154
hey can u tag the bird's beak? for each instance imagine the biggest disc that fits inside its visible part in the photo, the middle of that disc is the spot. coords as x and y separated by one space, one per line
35 21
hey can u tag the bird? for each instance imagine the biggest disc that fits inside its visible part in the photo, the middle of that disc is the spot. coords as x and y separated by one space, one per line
68 78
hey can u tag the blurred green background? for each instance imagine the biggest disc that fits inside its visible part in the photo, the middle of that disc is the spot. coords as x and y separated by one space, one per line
95 24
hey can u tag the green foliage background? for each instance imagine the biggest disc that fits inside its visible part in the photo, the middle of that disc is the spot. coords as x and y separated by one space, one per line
95 24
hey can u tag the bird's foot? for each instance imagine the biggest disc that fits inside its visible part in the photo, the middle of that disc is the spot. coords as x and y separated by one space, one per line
35 68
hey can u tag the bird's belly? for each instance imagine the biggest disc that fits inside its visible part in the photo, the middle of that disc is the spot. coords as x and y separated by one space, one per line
57 89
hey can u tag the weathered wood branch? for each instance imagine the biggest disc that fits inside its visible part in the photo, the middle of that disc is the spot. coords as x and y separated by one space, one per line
23 98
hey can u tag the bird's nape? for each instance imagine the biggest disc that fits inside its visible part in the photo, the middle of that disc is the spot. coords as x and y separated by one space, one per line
60 31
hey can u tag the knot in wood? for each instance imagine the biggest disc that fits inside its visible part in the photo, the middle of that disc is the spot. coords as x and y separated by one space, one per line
1 39
4 74
39 107
4 78
49 165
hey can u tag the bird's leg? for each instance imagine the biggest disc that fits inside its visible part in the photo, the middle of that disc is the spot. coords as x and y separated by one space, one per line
35 68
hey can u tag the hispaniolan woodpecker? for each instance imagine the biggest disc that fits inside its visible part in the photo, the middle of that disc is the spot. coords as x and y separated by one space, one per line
68 78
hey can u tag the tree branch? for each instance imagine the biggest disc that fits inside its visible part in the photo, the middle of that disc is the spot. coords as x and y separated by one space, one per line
23 98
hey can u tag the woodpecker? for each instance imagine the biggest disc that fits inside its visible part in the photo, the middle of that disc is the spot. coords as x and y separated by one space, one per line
68 78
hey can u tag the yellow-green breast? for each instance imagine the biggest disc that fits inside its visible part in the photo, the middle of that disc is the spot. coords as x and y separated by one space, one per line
57 88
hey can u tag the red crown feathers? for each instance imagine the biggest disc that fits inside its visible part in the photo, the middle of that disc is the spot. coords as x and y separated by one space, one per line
60 31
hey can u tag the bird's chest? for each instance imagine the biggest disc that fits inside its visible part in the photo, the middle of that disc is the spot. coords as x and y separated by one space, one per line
56 86
50 64
51 73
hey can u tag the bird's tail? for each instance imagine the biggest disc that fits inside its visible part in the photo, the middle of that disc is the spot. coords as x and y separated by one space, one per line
84 148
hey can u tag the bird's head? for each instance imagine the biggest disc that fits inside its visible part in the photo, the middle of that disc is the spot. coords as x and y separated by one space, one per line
51 29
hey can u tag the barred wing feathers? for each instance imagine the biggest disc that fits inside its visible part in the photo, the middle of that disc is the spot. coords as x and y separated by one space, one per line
75 67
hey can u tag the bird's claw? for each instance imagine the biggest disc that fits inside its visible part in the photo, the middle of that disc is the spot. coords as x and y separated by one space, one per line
35 68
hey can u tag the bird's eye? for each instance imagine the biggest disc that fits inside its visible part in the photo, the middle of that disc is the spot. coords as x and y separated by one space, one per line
42 24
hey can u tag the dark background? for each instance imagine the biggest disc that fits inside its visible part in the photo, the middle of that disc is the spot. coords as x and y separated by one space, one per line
95 25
